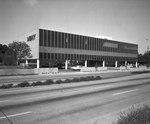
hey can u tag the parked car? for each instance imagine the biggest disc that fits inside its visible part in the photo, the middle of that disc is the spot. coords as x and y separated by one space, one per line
77 67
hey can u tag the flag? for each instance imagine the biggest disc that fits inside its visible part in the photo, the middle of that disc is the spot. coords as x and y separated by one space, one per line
86 41
66 39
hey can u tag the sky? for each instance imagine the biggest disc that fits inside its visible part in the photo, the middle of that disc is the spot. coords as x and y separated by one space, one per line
123 20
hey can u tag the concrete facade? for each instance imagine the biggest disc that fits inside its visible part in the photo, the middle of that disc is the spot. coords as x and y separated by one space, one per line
48 46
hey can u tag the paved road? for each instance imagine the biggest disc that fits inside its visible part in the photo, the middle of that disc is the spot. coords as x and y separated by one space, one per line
75 103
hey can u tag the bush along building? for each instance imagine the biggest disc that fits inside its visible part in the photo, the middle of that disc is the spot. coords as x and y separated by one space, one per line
54 49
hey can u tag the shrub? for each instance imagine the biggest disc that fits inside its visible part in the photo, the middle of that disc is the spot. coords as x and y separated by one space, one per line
48 82
75 80
38 83
4 86
33 84
135 116
24 84
83 79
98 78
67 81
89 78
10 85
59 81
140 72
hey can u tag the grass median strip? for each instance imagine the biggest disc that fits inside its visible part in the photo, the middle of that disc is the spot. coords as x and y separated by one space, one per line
50 82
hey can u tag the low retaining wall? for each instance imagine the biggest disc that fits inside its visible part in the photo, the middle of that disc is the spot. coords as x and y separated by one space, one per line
28 71
16 71
93 69
45 70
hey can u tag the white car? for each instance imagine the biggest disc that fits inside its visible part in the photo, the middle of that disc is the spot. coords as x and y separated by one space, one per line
77 67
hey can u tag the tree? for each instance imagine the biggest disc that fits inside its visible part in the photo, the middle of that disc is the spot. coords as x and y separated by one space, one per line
21 50
147 57
144 58
3 50
9 58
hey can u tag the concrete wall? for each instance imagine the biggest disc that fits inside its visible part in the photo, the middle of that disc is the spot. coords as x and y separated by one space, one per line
93 69
16 71
45 70
28 71
32 39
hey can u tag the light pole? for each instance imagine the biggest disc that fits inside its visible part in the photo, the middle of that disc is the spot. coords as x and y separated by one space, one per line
148 46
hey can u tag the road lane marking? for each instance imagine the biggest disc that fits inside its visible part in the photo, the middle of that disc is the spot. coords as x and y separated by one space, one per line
9 116
70 91
125 92
4 101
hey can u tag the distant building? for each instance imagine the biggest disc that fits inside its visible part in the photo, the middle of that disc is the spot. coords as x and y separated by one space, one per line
48 46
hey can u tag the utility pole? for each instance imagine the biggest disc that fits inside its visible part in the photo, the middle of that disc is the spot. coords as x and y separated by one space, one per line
148 46
148 49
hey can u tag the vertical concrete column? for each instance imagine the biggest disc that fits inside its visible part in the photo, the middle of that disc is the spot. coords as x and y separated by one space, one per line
116 63
85 63
26 62
66 64
38 63
136 64
103 63
126 64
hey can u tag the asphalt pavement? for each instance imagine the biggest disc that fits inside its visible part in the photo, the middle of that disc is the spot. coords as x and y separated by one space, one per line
76 103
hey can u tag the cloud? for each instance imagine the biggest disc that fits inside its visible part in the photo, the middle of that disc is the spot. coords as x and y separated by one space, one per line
31 2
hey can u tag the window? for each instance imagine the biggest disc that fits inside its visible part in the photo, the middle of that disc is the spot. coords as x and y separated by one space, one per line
49 40
66 41
72 56
87 43
41 37
45 38
63 40
60 40
69 56
49 56
69 40
56 39
41 55
82 42
56 56
91 40
77 40
52 56
53 39
45 56
73 44
63 56
94 44
66 57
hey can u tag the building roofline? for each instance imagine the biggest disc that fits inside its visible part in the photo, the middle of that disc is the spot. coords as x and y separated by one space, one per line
90 36
27 32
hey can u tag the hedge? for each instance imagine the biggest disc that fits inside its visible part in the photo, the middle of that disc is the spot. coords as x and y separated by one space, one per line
50 82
